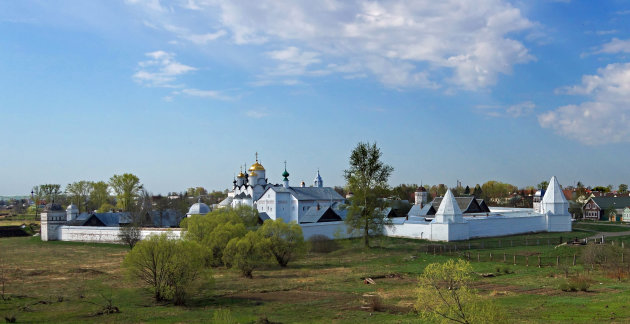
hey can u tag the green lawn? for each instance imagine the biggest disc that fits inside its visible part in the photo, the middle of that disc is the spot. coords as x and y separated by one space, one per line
66 282
601 227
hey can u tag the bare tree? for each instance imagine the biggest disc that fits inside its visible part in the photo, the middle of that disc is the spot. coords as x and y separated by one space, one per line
131 233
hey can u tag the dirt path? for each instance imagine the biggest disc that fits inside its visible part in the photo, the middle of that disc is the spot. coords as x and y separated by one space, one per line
608 234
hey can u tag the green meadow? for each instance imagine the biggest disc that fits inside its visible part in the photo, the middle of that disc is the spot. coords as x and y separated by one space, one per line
73 282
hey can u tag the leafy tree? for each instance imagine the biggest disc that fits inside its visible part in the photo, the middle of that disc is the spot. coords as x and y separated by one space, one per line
79 193
623 188
543 185
246 253
445 295
215 230
497 190
467 191
405 191
130 234
106 207
248 214
367 179
284 241
197 191
167 265
601 189
478 192
99 194
127 187
50 191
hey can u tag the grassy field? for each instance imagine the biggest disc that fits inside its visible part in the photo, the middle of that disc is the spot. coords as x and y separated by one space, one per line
70 282
597 227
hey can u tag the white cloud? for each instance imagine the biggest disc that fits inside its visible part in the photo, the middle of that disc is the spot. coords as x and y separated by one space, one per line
615 46
604 117
256 114
422 43
153 5
206 94
514 111
161 70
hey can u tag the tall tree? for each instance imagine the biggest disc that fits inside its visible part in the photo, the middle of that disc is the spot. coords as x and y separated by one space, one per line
478 192
127 187
367 179
543 185
623 188
99 195
79 193
50 191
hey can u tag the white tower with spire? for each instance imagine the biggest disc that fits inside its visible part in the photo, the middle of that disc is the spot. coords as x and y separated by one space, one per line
449 223
556 208
318 182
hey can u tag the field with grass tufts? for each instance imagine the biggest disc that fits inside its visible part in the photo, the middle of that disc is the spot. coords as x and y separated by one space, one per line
76 282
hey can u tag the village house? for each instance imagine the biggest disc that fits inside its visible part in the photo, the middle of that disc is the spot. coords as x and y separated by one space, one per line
606 208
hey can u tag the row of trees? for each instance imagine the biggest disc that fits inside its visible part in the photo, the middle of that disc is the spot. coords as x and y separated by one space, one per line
93 195
121 192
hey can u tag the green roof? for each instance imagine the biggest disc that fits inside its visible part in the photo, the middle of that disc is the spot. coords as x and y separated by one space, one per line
607 202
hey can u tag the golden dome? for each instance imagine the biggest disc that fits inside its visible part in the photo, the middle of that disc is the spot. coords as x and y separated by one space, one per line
241 175
253 173
256 167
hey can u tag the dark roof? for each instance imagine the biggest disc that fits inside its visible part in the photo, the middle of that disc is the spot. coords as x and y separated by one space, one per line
310 193
607 202
466 204
100 219
53 207
321 214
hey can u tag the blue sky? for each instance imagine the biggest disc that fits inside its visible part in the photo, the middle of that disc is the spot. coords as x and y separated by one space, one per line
181 93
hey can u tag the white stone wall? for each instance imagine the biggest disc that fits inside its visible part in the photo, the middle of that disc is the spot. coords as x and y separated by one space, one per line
98 234
487 226
332 230
417 230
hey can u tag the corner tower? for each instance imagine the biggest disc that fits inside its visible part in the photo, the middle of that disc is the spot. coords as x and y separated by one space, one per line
52 218
556 208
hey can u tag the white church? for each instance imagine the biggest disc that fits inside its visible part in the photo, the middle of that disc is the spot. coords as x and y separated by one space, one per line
320 210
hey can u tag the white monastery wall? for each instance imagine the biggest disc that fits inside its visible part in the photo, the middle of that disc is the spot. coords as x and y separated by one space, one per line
486 226
101 234
333 230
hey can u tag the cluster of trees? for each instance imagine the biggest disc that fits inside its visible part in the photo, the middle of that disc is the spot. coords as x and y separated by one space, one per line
234 239
228 237
122 192
209 198
93 195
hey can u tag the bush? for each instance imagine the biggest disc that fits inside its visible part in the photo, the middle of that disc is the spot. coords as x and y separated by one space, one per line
214 231
579 282
284 241
168 266
246 253
322 244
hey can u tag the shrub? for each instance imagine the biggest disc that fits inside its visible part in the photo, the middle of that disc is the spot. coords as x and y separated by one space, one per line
168 266
245 253
214 231
322 244
579 282
284 241
458 301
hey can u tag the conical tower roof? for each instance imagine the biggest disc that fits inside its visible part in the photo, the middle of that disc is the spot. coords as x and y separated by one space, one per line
554 193
448 206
